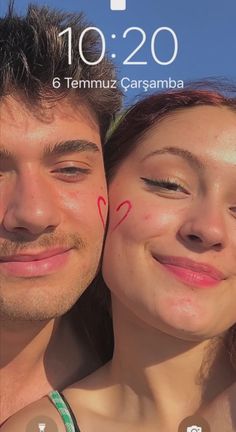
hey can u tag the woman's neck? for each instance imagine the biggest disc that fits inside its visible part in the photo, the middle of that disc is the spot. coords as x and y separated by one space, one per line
163 368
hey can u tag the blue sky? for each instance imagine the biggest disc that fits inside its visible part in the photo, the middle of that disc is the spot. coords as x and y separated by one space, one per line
205 29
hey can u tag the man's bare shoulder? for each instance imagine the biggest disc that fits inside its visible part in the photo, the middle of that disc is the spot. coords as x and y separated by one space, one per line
29 418
85 397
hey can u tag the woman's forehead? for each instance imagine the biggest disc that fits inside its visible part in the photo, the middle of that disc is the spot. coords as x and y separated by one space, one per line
203 129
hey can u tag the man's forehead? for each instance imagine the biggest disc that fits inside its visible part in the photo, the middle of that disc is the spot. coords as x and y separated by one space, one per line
17 110
62 122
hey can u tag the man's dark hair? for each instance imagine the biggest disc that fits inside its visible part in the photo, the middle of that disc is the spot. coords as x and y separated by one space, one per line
32 55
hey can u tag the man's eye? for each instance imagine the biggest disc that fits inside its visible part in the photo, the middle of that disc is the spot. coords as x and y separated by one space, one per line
165 184
71 172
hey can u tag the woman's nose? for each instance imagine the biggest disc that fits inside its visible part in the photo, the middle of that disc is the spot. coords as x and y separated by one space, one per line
205 227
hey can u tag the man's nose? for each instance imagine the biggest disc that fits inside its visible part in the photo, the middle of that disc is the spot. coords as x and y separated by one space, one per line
31 207
205 226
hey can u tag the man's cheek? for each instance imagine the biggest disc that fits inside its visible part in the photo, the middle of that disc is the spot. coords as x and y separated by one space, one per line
88 208
78 204
71 202
102 209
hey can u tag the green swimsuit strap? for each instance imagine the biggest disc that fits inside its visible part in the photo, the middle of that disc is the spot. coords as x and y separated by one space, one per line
64 410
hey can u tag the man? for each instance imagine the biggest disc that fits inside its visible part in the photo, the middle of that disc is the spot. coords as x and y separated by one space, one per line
53 201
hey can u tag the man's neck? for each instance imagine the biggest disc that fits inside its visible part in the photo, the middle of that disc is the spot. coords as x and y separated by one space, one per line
35 358
24 343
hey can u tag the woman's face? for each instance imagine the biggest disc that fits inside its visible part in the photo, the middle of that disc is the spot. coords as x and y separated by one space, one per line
170 253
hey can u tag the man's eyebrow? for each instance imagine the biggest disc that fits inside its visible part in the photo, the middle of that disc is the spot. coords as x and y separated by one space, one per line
185 154
61 148
71 146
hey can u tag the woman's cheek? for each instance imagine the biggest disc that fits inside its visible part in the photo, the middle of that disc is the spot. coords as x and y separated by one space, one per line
120 214
138 221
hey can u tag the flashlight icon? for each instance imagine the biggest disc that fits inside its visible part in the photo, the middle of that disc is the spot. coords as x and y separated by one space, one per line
118 5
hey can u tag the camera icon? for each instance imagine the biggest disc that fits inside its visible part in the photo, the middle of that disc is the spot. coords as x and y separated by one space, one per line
194 423
194 429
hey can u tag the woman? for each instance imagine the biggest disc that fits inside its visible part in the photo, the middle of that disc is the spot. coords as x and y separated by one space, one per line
170 264
221 413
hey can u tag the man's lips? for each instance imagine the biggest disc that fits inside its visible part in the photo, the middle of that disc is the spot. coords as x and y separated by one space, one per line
192 272
32 256
34 264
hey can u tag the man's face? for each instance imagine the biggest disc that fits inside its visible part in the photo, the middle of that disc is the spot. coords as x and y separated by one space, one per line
52 207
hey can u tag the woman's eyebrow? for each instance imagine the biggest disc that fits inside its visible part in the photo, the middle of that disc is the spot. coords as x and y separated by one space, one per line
185 154
71 146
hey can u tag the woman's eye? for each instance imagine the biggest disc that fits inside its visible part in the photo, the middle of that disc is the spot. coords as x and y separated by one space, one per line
233 209
165 184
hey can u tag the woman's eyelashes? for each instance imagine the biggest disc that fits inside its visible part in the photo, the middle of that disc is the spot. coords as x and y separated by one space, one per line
165 185
168 186
233 210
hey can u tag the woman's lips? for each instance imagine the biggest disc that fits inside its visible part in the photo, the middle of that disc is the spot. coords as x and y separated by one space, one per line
190 272
33 265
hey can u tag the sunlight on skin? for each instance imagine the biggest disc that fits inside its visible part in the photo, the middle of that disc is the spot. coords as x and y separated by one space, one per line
221 413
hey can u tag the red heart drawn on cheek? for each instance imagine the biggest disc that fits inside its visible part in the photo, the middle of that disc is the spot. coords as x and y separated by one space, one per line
124 205
101 205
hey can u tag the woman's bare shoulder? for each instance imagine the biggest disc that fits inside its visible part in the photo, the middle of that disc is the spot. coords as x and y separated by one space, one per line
29 418
88 396
93 400
221 412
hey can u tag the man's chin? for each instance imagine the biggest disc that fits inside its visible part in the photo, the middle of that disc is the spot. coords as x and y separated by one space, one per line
37 301
20 313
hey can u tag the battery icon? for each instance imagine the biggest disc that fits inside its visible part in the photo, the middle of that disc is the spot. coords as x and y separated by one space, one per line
118 5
